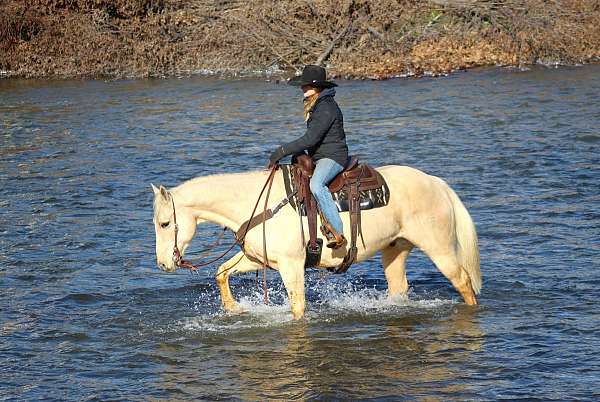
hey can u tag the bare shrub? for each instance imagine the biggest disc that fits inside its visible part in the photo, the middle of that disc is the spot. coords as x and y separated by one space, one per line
115 8
355 38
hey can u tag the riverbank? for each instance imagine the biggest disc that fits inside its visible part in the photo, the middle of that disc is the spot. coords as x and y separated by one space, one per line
357 39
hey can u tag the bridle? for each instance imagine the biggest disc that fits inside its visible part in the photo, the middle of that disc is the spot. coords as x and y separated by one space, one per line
239 239
179 261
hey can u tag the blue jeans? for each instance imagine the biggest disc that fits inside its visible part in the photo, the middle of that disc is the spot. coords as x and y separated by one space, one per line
325 171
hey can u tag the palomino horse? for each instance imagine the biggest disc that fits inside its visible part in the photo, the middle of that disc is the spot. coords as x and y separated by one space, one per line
423 211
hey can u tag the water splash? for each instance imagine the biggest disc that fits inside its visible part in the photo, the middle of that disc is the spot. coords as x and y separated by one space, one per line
328 302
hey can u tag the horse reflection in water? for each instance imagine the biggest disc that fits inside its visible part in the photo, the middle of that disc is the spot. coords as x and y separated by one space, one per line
408 350
423 212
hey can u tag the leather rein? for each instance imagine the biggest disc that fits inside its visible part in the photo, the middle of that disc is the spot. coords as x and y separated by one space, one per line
240 235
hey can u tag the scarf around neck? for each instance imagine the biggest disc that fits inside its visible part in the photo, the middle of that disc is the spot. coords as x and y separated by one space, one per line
310 101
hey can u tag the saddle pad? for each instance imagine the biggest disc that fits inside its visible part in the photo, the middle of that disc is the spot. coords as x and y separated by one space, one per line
369 199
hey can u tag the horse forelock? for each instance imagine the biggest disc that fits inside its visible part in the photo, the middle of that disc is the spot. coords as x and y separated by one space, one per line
158 203
155 207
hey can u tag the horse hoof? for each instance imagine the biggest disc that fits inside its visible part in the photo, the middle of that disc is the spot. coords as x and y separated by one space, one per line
235 310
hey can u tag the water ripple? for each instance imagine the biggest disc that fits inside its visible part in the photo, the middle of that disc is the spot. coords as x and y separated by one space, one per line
87 316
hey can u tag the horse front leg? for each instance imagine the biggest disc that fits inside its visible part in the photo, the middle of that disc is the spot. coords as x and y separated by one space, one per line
292 274
238 263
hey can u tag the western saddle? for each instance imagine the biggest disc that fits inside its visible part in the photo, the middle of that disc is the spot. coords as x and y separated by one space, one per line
354 180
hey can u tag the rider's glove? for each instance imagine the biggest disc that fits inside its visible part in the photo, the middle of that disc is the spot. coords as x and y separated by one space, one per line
276 155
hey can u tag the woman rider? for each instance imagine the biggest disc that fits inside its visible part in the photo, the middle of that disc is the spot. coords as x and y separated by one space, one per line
324 140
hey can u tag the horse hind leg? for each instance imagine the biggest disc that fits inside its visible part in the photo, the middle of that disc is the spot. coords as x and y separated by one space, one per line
394 265
449 266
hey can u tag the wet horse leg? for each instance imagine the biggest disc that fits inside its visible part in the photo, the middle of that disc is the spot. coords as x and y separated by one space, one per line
238 263
438 242
449 266
292 274
394 265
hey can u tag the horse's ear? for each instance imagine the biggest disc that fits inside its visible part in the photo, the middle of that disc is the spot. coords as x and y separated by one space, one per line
164 193
155 189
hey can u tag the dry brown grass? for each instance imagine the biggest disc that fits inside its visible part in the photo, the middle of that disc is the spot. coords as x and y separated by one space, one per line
355 38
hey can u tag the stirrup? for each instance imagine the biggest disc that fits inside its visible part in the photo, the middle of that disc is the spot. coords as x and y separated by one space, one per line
334 239
327 230
337 242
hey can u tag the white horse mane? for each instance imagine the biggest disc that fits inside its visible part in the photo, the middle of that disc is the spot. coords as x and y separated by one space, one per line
219 176
200 180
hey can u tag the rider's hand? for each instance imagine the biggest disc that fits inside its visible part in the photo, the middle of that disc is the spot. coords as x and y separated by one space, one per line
276 155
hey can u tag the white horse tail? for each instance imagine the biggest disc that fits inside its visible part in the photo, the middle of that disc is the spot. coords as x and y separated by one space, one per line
466 236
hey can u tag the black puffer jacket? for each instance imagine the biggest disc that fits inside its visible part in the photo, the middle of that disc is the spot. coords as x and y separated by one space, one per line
324 137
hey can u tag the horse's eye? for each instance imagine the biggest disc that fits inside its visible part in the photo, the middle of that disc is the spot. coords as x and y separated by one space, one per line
164 224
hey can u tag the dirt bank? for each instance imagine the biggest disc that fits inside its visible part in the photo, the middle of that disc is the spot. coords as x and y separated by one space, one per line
355 38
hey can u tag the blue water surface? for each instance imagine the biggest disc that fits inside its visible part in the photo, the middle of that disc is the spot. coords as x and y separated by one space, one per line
86 314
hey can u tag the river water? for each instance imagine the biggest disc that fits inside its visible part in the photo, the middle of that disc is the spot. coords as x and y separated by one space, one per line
86 315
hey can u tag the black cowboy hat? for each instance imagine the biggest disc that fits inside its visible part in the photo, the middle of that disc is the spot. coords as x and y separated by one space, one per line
312 75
